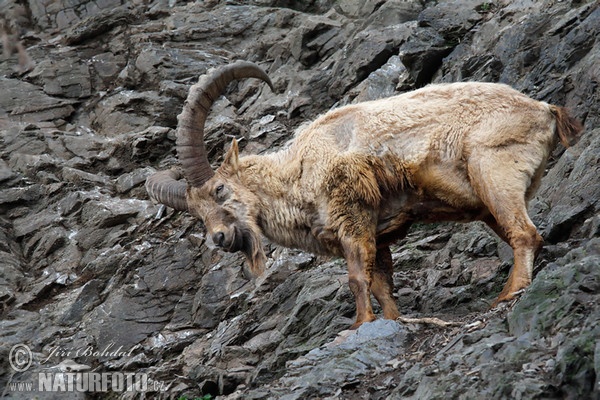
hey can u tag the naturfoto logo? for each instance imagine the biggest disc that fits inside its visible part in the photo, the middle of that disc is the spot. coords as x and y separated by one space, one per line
70 376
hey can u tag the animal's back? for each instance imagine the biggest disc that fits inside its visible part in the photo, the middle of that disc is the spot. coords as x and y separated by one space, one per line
434 120
430 138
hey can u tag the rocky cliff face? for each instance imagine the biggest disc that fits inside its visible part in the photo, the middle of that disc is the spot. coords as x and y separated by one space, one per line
93 272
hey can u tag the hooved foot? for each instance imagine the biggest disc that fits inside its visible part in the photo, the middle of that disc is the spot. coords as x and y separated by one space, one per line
507 297
359 323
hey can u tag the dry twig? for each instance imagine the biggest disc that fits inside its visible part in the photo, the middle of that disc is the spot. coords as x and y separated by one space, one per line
429 321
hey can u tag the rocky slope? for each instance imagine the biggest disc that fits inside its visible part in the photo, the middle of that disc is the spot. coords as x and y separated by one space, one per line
90 93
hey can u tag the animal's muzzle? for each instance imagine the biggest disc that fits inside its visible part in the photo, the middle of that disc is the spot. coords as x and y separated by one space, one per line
218 238
231 241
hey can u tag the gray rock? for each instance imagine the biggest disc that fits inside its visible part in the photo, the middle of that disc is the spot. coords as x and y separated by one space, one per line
84 145
109 213
28 103
33 222
81 266
64 77
356 8
577 169
78 177
11 277
6 172
324 369
128 181
383 82
370 50
21 194
63 14
44 242
423 54
128 111
453 19
97 24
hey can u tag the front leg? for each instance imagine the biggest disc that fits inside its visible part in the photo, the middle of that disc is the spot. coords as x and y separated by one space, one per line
360 257
352 208
383 283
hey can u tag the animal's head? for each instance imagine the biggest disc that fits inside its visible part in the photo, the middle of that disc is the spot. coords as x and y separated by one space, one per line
218 197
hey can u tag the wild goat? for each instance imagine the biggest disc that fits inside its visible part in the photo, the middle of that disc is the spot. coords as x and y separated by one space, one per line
11 44
355 179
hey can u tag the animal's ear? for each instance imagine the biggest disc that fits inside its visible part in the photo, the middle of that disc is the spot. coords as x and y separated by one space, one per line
232 156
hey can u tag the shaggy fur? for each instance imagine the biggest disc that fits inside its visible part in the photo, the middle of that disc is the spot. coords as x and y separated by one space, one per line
356 178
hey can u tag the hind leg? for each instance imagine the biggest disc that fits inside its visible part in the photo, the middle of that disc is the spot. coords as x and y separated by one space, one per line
382 285
526 243
503 190
526 247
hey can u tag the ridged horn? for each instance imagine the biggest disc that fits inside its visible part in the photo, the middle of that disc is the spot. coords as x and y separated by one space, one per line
167 188
191 149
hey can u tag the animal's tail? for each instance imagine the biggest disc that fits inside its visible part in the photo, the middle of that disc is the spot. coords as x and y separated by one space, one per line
567 127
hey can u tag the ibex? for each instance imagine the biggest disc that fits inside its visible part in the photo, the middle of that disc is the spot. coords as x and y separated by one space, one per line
11 44
357 177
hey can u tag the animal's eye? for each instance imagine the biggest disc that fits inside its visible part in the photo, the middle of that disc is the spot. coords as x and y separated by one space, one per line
219 192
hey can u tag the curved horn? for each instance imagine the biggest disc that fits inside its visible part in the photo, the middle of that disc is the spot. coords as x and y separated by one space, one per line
166 188
190 130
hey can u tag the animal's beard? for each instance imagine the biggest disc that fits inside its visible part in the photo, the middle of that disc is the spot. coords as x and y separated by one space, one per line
252 248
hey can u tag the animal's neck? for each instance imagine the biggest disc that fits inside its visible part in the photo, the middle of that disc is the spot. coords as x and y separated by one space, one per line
283 214
268 176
